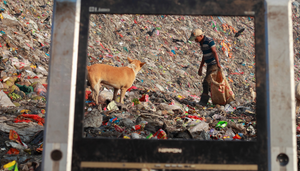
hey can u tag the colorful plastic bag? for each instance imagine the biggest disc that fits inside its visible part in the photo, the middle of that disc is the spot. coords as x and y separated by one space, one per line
11 166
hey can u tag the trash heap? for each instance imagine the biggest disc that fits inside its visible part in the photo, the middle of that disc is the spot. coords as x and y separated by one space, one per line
172 60
25 34
158 115
161 104
296 32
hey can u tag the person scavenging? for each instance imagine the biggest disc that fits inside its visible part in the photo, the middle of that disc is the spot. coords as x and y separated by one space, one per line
210 57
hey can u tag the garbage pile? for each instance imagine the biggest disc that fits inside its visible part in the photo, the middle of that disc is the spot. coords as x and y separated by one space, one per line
172 60
25 28
296 31
158 115
163 101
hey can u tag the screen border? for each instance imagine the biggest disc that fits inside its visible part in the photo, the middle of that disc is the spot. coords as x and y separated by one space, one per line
146 151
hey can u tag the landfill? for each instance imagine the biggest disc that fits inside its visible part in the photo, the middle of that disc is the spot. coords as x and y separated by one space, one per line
163 101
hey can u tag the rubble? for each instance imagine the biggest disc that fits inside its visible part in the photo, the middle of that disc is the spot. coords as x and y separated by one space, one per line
163 101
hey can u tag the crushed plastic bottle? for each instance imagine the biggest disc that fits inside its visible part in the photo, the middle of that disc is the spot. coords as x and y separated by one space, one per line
221 124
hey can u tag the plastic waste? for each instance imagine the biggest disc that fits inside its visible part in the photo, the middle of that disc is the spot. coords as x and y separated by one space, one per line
118 128
251 130
32 94
13 166
229 133
40 90
4 100
135 135
136 127
202 126
13 135
106 94
30 73
221 124
160 134
228 108
143 124
13 151
112 106
15 145
149 136
42 70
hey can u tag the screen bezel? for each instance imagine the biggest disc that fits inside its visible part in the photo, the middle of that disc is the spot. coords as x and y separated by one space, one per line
146 151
